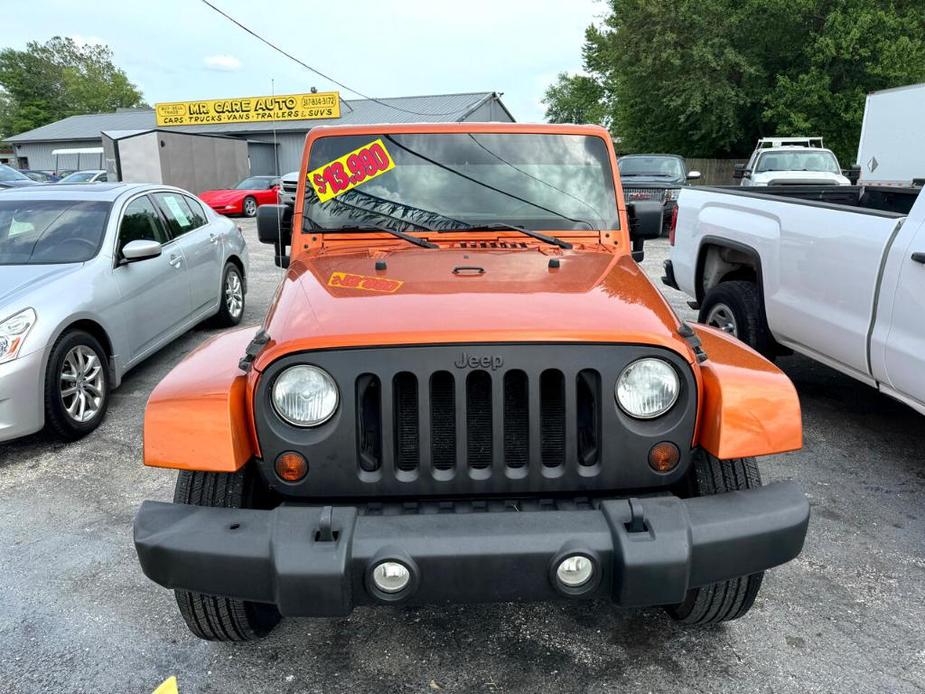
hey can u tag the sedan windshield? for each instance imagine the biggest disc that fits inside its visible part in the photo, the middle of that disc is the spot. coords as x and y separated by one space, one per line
79 177
10 174
255 183
798 161
38 232
667 167
449 181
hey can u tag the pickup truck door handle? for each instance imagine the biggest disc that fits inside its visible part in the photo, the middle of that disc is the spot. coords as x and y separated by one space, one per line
175 260
919 258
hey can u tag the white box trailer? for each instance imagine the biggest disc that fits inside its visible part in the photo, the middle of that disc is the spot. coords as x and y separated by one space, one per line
892 146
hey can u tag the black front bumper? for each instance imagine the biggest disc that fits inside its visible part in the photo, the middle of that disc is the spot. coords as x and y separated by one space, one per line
317 561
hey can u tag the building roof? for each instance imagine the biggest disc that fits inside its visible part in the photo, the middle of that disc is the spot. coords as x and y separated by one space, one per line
426 109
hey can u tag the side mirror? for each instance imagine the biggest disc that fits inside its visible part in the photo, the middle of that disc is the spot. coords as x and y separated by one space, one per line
740 172
645 217
693 175
140 249
274 226
853 174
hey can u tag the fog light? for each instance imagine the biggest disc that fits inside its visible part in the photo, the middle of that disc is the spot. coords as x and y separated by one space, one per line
574 571
291 466
664 456
391 576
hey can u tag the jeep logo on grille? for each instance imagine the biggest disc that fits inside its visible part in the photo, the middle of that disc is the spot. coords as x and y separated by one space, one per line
471 361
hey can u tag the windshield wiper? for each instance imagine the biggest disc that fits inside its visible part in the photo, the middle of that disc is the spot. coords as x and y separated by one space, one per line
423 243
498 226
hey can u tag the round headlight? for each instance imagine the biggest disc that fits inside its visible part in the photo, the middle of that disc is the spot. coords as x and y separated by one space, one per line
305 396
647 388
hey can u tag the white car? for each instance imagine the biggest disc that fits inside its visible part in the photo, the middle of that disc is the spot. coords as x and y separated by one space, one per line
287 191
784 161
88 176
843 284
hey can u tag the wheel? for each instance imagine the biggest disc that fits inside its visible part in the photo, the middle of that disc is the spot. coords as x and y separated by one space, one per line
736 308
726 600
211 617
249 207
76 385
231 302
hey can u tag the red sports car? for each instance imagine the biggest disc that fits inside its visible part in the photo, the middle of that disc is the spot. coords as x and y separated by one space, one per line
244 197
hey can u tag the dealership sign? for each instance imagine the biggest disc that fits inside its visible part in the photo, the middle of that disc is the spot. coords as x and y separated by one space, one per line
251 109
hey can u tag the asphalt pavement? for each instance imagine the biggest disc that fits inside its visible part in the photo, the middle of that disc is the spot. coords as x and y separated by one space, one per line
77 615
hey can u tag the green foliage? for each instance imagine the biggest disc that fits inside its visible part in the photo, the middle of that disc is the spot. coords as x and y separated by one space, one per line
575 99
50 81
708 77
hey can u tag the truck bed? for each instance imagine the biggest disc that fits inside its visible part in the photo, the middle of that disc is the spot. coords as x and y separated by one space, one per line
897 200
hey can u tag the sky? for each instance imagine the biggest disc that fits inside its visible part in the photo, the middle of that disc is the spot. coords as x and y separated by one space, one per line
177 50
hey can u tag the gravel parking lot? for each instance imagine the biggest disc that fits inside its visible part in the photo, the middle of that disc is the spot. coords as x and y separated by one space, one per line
77 615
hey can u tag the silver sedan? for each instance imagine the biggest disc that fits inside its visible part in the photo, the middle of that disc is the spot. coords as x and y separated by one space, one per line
94 279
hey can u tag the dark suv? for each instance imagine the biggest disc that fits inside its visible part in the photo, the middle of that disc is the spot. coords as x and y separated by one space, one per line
655 177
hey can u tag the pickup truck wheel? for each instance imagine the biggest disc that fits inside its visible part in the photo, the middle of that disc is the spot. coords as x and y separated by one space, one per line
211 617
736 308
726 600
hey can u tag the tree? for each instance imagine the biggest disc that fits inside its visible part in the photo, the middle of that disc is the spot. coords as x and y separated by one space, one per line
575 99
50 81
708 77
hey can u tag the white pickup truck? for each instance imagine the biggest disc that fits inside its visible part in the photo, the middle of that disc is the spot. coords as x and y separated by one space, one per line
837 275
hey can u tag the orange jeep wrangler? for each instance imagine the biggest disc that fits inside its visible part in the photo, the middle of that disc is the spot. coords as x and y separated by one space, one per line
466 390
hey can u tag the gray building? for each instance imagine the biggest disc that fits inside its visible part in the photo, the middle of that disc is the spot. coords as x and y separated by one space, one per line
33 149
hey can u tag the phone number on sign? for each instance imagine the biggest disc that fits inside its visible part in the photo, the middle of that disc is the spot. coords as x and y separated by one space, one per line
350 170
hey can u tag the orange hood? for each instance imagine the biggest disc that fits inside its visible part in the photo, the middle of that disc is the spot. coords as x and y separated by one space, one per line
459 295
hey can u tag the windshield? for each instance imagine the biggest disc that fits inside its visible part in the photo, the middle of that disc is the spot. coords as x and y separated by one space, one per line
38 232
666 167
454 180
255 183
798 161
79 177
9 174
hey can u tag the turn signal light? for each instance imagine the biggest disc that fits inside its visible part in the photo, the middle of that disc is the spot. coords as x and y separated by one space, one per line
291 466
664 456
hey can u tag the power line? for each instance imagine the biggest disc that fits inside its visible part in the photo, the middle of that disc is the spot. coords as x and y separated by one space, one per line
318 72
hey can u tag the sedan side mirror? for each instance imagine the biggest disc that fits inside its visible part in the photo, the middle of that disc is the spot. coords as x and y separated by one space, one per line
693 175
140 249
274 226
645 217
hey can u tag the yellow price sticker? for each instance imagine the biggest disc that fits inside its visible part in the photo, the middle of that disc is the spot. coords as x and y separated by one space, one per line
347 172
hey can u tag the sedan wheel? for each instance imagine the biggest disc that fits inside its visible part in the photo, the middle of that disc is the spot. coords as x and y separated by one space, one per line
81 384
76 385
250 207
234 294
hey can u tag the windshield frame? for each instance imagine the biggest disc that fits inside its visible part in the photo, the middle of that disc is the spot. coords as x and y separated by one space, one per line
99 247
267 179
608 236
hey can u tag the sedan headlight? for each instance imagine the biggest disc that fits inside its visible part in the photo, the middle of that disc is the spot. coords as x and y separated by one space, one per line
647 388
13 332
305 396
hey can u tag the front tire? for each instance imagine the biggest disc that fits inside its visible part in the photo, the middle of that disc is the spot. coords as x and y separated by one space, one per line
211 617
76 385
736 307
231 301
249 207
726 600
